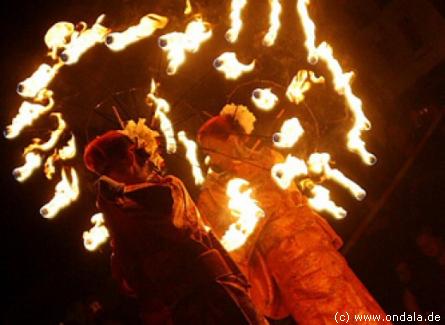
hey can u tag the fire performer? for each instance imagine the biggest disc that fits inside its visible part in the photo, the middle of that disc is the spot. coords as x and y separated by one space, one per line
291 259
162 253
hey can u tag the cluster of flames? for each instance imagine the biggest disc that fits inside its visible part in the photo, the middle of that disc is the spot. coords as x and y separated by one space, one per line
67 43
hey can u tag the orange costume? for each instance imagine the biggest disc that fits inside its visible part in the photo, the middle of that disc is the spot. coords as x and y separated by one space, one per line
291 259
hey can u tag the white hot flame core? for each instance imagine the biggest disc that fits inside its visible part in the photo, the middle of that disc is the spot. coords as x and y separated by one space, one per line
52 141
82 41
177 44
148 24
274 22
228 64
264 99
66 192
236 22
290 133
162 107
38 81
245 209
318 163
28 113
342 84
192 157
97 235
284 173
57 37
32 162
69 150
321 202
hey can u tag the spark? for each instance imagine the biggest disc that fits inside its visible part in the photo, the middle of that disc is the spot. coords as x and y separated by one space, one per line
246 211
228 64
191 154
97 235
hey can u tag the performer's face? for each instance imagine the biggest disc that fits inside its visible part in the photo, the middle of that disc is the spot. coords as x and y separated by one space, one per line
131 172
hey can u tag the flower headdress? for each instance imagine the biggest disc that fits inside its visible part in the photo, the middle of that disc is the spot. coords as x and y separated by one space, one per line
241 115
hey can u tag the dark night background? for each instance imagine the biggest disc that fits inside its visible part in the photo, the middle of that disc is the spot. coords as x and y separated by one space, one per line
394 239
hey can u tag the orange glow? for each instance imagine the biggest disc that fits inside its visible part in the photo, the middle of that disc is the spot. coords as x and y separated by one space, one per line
66 192
148 24
274 22
264 99
57 37
97 235
290 133
32 162
245 209
39 80
162 107
284 173
82 41
342 84
176 44
192 157
236 22
28 113
228 64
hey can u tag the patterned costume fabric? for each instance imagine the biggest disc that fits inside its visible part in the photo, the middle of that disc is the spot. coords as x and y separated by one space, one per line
292 258
163 256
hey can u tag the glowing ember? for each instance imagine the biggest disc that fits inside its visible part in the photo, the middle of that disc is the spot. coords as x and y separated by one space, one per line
32 162
236 22
245 210
97 235
285 173
321 202
264 99
147 26
319 164
228 64
298 86
66 192
274 21
191 154
342 83
162 107
176 44
39 80
57 37
28 113
82 41
55 135
290 133
188 8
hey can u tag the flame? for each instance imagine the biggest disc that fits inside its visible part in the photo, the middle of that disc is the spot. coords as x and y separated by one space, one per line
314 78
298 86
291 132
39 80
342 84
57 37
67 152
28 113
55 136
321 202
32 162
274 21
147 26
319 164
191 154
228 64
236 22
162 107
264 99
97 235
247 212
66 192
176 44
188 8
82 41
284 173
